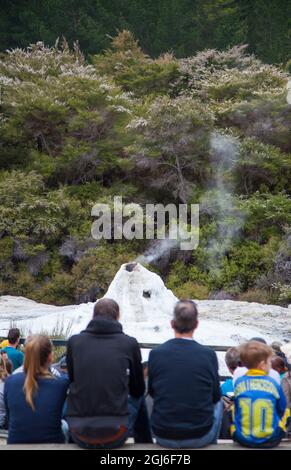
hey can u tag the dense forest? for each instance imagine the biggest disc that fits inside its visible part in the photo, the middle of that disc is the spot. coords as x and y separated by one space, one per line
179 26
76 130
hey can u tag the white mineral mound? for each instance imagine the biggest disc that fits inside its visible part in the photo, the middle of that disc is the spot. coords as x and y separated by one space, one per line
146 308
141 295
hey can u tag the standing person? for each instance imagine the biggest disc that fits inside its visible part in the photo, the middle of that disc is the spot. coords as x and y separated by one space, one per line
184 385
34 399
259 403
15 356
104 368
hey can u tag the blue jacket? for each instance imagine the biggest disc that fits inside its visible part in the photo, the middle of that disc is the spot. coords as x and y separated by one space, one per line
42 425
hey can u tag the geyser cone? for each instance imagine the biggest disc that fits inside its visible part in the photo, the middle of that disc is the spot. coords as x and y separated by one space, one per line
141 294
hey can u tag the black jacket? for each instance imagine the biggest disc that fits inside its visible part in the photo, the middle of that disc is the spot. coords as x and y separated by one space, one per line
104 367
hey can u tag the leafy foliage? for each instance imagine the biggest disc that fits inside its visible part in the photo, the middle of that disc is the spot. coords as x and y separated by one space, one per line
184 26
213 128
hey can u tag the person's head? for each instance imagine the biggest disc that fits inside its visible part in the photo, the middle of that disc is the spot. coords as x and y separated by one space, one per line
13 337
185 319
38 357
106 308
259 340
232 359
276 346
9 366
256 355
279 364
4 354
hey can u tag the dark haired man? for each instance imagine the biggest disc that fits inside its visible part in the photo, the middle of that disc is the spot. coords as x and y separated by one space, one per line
15 356
104 368
184 384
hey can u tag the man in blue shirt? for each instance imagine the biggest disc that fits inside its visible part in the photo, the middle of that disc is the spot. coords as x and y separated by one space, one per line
184 384
15 356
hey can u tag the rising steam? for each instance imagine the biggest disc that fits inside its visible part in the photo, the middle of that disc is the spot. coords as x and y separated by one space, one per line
289 92
159 250
219 201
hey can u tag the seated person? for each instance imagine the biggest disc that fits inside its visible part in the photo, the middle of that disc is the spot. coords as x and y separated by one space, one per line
276 346
240 371
259 402
184 385
232 360
279 365
34 399
4 373
15 356
286 386
106 402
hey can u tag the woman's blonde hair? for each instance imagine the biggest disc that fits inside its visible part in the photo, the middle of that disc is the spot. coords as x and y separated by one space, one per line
37 351
3 369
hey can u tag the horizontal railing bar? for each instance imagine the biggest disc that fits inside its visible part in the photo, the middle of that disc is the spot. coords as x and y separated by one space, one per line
216 348
63 342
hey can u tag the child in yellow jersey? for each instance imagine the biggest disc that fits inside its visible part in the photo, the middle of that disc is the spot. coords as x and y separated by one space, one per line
260 414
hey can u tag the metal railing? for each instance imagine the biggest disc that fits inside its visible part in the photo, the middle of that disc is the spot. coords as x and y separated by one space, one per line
63 343
216 348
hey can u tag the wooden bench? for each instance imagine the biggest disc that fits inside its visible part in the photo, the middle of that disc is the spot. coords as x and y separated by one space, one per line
222 445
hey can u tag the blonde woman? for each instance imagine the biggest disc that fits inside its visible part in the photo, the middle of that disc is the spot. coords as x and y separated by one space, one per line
34 398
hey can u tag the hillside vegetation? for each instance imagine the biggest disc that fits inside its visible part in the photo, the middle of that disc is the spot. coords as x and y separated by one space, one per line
181 26
212 129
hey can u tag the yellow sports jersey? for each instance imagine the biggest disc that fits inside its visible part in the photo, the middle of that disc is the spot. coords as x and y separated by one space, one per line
259 409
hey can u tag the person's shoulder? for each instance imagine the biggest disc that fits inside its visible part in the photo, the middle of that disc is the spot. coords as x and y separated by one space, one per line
55 383
239 380
15 378
19 353
74 338
272 380
129 340
205 350
163 348
62 382
275 376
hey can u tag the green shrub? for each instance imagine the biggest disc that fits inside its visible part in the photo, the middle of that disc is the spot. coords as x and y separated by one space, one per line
192 290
